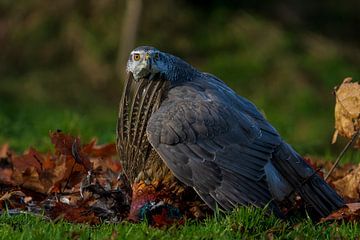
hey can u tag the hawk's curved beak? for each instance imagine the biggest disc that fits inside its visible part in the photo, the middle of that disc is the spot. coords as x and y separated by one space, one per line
148 61
147 56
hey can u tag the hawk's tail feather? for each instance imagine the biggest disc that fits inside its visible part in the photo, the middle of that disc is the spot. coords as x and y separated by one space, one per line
317 195
320 196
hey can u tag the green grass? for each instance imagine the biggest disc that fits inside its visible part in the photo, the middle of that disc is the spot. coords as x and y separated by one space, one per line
243 223
23 126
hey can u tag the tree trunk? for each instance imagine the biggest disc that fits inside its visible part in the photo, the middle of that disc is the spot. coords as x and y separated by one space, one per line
128 35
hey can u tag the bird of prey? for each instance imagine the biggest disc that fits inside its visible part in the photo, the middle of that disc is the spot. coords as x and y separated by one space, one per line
210 138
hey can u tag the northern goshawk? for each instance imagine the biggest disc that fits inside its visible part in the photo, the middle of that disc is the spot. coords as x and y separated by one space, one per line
210 139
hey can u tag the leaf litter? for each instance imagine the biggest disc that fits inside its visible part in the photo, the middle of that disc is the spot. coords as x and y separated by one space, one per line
80 183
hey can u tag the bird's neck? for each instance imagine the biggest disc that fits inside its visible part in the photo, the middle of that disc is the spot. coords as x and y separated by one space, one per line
179 71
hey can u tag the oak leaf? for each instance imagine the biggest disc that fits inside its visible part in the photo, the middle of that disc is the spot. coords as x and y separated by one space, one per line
349 185
347 110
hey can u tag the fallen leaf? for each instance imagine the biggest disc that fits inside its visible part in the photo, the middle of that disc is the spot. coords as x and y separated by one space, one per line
350 212
30 159
349 185
94 150
347 110
62 142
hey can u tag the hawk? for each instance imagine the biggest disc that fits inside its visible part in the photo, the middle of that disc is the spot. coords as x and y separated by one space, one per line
182 122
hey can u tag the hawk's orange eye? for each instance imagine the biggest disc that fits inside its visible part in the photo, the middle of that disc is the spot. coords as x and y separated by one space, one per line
136 57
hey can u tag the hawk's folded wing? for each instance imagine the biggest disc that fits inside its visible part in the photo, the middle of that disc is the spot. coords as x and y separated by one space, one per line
219 151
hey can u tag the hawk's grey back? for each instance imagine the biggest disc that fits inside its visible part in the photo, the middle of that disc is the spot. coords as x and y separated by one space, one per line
220 144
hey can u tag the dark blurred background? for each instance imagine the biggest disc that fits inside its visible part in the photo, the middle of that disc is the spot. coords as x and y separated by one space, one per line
62 62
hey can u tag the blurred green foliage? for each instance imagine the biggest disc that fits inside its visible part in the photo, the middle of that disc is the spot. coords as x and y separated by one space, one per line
58 62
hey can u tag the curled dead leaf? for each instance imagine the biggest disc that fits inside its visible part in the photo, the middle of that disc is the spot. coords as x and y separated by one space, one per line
347 110
349 185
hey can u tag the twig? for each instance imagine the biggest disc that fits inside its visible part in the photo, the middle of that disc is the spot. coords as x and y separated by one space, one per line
348 145
68 179
39 161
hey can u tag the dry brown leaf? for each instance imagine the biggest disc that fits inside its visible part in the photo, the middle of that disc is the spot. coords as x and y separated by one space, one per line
105 150
30 159
48 162
350 212
73 162
349 185
70 146
62 142
347 110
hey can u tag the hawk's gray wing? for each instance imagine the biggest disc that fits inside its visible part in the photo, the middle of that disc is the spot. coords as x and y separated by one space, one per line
215 148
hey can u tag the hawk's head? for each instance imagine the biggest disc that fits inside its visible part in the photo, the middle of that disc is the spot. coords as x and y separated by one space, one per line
146 62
